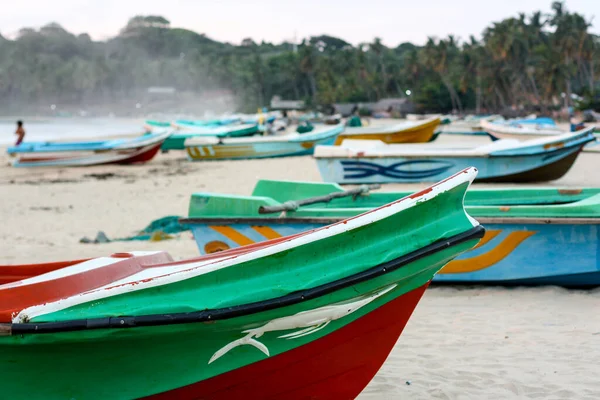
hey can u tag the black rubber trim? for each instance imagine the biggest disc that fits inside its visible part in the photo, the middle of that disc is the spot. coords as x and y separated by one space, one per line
260 221
250 308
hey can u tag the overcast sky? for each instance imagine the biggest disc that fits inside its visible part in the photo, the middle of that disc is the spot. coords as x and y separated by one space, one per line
395 21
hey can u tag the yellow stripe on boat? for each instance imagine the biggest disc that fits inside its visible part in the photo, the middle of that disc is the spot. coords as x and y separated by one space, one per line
219 151
490 258
489 235
233 235
267 232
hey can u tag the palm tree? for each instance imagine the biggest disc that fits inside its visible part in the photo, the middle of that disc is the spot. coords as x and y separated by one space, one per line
438 57
307 66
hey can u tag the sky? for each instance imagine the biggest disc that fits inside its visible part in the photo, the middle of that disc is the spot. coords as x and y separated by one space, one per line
356 21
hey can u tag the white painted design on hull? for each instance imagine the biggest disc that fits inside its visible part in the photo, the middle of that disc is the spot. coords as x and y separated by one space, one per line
312 321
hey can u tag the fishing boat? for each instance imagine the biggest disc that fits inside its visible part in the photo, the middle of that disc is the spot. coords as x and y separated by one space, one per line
404 132
462 129
194 124
470 125
530 131
520 131
152 124
534 236
272 320
244 119
177 139
291 144
79 154
508 160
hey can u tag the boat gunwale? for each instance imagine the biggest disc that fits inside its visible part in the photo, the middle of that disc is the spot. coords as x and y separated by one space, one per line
364 155
8 329
258 221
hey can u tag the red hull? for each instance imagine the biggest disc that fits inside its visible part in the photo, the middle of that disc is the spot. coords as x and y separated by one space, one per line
143 157
337 366
138 158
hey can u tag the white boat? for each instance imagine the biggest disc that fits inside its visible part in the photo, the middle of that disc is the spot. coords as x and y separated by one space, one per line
530 131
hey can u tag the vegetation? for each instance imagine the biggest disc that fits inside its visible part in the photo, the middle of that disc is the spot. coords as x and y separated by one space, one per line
528 62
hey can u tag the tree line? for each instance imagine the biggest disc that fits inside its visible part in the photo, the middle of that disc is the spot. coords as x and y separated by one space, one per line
530 62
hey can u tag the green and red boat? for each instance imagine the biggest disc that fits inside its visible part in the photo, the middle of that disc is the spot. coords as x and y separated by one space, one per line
313 315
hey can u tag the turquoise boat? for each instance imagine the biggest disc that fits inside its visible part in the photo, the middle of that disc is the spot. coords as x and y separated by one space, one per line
539 160
151 124
291 144
177 140
193 124
534 235
313 315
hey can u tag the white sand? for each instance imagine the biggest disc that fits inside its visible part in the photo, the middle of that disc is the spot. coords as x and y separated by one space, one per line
461 343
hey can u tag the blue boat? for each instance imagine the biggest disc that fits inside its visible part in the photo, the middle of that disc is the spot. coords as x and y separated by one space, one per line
532 121
534 236
292 144
536 160
532 251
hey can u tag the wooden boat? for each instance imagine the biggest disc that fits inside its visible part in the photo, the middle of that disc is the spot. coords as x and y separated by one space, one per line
177 139
79 154
501 161
292 144
404 132
273 320
533 235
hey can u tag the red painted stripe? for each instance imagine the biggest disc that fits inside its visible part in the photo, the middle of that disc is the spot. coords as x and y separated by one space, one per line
16 298
336 366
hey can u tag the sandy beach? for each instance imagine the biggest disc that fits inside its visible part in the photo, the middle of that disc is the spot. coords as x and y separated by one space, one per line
461 343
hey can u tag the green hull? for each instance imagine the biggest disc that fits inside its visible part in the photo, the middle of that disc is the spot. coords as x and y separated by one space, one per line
374 264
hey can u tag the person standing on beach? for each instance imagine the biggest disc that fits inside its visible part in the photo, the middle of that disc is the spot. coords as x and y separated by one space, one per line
20 132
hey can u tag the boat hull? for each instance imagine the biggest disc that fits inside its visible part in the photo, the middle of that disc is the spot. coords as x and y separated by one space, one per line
593 147
154 327
264 148
419 134
519 168
177 140
212 357
504 256
255 150
84 159
337 366
526 253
